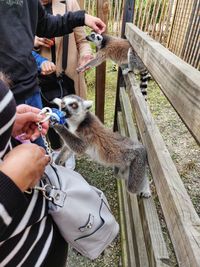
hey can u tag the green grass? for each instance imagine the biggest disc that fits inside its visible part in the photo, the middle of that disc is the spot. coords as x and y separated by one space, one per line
110 92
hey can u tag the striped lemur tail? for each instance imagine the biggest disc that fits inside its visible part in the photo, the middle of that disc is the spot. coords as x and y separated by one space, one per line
144 78
136 65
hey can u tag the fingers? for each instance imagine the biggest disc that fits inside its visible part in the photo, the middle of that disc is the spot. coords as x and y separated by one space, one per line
99 26
44 42
29 117
23 108
95 23
47 67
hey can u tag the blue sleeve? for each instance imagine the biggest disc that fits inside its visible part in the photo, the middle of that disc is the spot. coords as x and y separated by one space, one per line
39 60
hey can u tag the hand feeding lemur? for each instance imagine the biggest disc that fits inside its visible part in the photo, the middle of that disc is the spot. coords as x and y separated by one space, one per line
120 51
84 133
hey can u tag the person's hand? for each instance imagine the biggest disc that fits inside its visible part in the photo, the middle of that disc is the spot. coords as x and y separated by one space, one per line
25 165
95 23
47 67
45 2
38 41
25 123
85 59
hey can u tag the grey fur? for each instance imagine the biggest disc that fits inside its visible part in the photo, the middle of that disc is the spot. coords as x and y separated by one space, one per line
85 134
121 52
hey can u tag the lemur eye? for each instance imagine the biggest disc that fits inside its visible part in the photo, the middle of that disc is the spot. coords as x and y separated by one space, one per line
92 35
98 38
73 105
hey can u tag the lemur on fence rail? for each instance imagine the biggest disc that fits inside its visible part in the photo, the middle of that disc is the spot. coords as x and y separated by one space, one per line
120 51
84 133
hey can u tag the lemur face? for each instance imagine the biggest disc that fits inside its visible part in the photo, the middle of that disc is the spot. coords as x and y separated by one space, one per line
74 107
95 38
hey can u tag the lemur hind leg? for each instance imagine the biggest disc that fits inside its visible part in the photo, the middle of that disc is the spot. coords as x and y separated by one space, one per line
144 189
137 181
126 68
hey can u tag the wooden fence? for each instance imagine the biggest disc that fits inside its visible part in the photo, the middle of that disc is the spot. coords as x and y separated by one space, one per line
143 244
173 23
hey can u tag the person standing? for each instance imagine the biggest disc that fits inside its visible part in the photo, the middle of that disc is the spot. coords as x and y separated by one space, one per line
17 40
78 49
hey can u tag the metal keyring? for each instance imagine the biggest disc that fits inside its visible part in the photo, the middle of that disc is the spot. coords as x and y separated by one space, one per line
47 112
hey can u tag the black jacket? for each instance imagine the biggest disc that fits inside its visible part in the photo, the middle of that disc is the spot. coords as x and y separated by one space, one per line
20 21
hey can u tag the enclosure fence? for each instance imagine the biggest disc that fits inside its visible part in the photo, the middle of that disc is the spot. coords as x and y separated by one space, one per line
173 23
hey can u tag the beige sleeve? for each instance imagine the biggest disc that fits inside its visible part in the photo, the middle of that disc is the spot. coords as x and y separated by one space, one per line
83 45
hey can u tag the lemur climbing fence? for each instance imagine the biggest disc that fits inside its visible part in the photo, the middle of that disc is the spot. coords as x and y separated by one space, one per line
173 23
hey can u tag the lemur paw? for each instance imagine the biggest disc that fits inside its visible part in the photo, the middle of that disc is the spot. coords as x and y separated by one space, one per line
125 71
145 194
58 126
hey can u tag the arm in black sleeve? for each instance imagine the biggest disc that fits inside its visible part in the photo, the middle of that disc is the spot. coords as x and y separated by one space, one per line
12 201
53 26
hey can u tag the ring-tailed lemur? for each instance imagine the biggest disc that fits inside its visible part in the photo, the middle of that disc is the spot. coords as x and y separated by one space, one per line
120 51
84 133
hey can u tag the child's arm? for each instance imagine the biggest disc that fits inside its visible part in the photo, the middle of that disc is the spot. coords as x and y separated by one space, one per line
44 66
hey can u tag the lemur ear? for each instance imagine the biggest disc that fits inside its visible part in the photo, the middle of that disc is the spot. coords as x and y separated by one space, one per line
87 104
57 101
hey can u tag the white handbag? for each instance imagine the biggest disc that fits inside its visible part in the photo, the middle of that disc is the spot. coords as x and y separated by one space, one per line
80 211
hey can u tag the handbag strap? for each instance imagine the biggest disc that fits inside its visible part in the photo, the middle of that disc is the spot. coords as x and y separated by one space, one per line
65 43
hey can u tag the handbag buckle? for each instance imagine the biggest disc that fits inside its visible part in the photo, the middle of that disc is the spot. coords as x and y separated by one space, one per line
44 190
53 194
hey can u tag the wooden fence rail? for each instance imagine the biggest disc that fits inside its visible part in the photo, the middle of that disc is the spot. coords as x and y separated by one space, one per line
179 81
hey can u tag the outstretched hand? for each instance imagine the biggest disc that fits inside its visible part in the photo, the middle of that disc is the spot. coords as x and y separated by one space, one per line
95 23
25 122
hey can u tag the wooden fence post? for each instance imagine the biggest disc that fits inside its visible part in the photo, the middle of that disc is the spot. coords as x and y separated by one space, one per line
102 13
128 15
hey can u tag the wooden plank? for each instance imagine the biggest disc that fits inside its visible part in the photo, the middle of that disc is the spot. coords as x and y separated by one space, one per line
128 14
134 214
182 220
178 80
124 247
156 247
144 15
128 113
139 15
155 18
129 259
148 16
161 20
102 13
164 29
189 35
